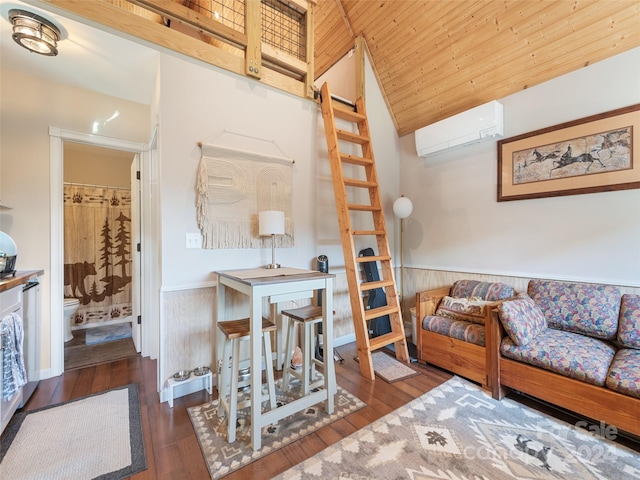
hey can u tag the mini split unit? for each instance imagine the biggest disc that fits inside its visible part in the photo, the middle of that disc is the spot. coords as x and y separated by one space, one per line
472 126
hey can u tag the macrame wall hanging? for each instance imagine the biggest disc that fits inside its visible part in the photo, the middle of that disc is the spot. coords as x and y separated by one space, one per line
232 187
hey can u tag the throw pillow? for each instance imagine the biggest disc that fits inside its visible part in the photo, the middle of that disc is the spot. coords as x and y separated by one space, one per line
629 324
490 291
522 319
463 309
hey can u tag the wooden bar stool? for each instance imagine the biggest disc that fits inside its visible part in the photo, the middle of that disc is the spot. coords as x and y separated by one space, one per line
307 317
235 331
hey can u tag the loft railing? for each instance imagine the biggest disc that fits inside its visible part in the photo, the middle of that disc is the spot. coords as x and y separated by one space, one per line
268 40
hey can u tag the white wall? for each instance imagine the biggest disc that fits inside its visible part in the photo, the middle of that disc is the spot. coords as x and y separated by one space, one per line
200 103
30 106
458 225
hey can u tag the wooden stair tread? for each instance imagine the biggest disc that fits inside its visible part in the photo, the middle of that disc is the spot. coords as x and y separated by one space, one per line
376 258
352 137
377 343
373 285
368 232
363 208
348 114
380 312
353 182
355 160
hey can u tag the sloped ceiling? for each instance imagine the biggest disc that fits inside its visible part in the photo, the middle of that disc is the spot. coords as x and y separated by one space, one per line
433 58
437 58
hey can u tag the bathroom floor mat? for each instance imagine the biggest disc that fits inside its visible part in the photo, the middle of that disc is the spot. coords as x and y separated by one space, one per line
108 333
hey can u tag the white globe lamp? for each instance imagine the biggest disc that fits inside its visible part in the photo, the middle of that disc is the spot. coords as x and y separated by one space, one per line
402 208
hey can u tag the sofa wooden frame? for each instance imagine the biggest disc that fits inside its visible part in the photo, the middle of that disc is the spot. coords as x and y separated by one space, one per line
466 359
591 401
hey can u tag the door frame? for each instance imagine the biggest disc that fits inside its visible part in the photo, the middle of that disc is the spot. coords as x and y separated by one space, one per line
57 137
136 270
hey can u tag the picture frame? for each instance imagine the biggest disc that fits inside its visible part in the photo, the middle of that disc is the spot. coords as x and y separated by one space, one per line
588 155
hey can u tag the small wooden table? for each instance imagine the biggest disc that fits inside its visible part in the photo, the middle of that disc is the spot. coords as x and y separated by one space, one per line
279 285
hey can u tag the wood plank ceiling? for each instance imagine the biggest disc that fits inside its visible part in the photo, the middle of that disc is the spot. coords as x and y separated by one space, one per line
436 58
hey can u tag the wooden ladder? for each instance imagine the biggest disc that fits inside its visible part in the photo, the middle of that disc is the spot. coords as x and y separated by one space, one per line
333 107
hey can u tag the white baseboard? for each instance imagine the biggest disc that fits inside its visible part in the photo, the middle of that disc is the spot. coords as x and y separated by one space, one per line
338 342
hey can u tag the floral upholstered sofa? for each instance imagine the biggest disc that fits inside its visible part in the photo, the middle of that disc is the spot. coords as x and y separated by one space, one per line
575 345
452 324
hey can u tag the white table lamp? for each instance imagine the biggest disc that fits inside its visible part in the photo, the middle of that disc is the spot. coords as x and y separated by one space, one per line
271 222
402 208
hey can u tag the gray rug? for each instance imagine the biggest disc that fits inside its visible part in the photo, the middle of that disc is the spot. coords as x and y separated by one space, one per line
108 333
223 457
95 437
457 431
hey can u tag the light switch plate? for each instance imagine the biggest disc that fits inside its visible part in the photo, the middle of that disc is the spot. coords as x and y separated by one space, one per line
194 240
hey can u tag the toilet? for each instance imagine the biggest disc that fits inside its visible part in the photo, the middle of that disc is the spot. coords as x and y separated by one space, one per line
71 306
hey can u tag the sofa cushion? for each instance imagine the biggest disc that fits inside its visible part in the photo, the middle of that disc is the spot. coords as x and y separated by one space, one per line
522 319
624 374
629 323
490 291
466 331
590 309
466 309
570 354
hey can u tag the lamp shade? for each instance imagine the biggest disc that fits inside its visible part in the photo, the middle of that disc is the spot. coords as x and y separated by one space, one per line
402 207
270 222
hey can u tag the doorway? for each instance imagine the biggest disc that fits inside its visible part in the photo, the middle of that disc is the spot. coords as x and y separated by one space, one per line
100 208
142 158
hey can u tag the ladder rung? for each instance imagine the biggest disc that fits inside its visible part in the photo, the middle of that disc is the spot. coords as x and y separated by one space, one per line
380 312
372 258
352 182
363 208
349 115
383 340
368 232
352 137
373 285
355 160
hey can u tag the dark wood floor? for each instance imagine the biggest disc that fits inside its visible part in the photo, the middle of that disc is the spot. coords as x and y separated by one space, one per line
171 445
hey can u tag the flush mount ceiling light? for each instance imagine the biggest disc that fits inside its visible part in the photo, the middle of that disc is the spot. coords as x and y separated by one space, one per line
34 33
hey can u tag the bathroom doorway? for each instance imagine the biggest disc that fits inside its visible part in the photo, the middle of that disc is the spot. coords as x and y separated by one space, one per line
146 340
100 233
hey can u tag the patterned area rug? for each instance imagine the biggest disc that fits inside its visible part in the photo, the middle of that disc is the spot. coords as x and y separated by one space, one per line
223 458
99 436
108 333
457 431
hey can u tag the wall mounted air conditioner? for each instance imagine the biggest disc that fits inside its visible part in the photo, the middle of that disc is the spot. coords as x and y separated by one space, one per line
484 121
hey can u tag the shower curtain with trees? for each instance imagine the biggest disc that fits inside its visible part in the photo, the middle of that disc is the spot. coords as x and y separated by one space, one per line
97 252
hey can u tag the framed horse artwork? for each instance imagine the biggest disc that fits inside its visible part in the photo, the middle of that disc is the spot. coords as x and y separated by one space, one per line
591 154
